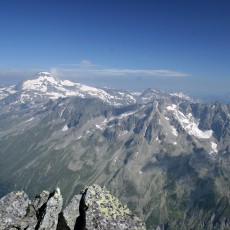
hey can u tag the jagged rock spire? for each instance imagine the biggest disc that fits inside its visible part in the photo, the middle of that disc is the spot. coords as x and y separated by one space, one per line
45 213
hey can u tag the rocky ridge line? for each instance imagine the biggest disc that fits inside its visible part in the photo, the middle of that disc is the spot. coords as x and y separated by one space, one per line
45 212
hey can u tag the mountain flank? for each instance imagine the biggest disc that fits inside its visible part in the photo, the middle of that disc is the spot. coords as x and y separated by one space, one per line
166 156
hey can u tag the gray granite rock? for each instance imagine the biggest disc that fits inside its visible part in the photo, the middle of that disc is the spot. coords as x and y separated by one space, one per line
103 211
71 212
51 210
13 207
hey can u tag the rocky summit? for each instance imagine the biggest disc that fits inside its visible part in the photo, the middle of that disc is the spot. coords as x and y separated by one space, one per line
103 211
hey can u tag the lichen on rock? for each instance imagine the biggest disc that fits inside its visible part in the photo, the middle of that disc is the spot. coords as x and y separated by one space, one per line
107 212
13 207
104 211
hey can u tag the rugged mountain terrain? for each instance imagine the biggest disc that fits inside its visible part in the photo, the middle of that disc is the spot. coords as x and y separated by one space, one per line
165 155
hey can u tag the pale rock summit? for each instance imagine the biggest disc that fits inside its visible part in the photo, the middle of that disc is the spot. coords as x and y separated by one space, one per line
45 212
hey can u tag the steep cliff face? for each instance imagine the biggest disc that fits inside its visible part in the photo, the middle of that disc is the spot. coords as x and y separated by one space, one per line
103 211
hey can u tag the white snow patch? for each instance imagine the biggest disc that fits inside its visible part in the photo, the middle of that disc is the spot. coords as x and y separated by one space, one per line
98 127
65 128
79 137
89 88
214 147
214 150
157 139
175 143
171 107
189 123
121 116
174 132
140 172
156 104
96 92
67 83
180 95
54 95
136 93
115 160
105 121
4 92
30 119
40 83
44 73
131 97
62 111
126 114
11 89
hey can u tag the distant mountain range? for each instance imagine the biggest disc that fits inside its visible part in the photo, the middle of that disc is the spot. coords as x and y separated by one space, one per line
44 86
166 155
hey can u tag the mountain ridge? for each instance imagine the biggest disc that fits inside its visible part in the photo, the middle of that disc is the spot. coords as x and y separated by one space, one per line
51 87
158 153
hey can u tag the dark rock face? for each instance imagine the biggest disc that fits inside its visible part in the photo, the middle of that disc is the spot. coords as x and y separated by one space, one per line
81 219
96 209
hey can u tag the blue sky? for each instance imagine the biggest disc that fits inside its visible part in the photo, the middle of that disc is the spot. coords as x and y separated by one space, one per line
175 45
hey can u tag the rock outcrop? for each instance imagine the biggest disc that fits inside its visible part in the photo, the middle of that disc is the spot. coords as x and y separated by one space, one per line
104 211
18 212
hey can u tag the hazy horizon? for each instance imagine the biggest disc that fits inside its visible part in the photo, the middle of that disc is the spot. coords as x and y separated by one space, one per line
140 84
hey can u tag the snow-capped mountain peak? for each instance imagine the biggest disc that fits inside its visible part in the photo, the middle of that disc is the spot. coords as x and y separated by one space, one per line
181 95
48 85
44 86
41 82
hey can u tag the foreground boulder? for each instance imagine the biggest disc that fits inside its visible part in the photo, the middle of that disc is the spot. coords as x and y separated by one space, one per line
18 212
13 207
103 211
48 213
